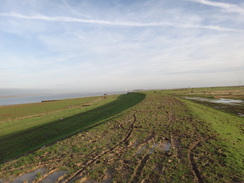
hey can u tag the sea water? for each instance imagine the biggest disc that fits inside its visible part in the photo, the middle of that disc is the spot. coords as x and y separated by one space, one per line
40 98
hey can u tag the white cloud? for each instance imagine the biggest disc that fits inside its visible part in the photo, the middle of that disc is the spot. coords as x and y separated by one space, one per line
116 23
227 6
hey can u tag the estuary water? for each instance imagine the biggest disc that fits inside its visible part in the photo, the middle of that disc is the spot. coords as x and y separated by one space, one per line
40 98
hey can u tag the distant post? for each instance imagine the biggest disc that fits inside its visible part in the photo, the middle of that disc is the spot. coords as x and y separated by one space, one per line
105 95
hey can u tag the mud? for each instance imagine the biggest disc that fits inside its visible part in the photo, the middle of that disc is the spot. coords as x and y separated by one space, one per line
78 174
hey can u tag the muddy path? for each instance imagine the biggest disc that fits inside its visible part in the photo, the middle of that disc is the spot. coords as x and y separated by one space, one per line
157 140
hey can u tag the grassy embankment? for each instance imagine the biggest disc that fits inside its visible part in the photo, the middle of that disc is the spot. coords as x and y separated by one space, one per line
24 128
21 117
228 128
205 146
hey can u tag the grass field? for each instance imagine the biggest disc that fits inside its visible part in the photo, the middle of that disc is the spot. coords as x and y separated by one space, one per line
154 136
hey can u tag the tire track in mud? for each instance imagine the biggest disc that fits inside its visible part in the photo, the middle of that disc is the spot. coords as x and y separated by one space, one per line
143 162
32 167
49 163
46 175
198 177
197 174
35 166
137 173
190 156
78 173
173 140
174 143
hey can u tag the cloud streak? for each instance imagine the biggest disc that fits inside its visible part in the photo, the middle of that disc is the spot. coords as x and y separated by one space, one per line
227 6
116 23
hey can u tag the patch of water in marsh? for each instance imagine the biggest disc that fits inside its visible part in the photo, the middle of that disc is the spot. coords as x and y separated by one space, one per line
230 105
30 177
219 101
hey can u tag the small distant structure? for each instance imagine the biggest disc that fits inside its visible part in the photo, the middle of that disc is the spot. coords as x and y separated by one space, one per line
50 100
105 95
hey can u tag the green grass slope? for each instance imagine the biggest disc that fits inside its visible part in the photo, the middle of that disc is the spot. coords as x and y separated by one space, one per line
229 129
25 140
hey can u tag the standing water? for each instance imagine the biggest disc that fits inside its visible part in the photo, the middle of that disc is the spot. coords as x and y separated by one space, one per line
219 101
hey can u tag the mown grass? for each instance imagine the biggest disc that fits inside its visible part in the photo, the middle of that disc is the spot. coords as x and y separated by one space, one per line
23 141
26 110
21 117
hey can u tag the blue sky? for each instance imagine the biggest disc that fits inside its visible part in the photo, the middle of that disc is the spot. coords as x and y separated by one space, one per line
98 45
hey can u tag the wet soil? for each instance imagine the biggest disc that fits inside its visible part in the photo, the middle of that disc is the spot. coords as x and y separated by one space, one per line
231 106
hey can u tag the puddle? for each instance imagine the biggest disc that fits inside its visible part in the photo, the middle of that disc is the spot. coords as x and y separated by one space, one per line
140 151
30 177
53 177
219 101
161 146
240 114
164 145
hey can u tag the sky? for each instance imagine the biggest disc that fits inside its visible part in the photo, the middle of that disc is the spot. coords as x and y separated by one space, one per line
114 45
